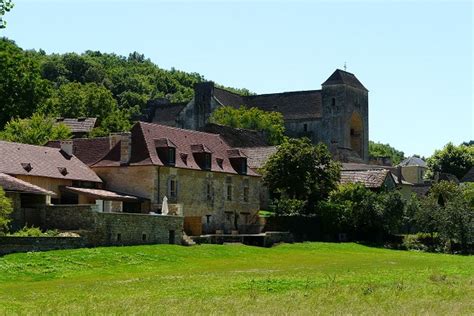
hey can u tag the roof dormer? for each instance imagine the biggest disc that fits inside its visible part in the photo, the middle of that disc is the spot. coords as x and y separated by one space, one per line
166 151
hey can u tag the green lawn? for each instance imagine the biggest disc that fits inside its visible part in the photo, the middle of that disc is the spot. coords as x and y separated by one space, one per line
307 278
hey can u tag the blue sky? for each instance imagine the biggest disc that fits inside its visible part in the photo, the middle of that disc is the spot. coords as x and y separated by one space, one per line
415 57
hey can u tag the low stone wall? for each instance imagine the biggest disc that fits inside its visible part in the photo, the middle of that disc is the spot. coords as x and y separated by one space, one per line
27 244
105 229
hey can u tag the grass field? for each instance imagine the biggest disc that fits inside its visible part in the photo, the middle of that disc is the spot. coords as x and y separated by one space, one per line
307 278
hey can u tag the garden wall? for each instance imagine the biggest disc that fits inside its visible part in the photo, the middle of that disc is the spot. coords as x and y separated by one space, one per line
27 244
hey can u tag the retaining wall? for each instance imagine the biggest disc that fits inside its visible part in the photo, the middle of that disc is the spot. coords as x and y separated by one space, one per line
27 244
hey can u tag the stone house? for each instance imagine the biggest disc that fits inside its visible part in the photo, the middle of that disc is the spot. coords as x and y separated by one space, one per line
202 177
336 115
413 170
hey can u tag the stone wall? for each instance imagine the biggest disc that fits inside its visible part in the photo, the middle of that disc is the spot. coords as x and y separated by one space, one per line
27 244
103 229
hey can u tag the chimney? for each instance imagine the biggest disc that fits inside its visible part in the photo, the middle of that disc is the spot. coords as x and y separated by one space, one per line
125 140
67 147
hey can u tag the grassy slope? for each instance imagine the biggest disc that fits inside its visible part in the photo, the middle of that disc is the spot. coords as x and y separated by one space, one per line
301 278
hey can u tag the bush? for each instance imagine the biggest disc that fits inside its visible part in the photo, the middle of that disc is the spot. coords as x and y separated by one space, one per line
423 242
5 209
288 207
34 232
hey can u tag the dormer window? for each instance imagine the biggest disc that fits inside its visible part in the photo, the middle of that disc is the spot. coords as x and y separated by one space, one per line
202 156
27 166
166 151
238 160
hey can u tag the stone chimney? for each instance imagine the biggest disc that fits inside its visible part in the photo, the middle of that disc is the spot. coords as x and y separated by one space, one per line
67 147
125 140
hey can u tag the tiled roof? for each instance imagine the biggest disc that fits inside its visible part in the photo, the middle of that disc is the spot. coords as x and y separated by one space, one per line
293 105
469 176
78 125
143 151
361 166
258 156
344 77
413 161
88 150
12 184
40 161
237 137
103 194
369 178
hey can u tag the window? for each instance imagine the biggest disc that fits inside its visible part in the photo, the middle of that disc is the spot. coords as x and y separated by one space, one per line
208 191
208 219
207 161
333 101
229 193
119 237
171 156
305 127
172 188
143 237
246 194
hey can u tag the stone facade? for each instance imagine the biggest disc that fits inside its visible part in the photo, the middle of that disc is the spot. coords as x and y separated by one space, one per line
209 201
336 115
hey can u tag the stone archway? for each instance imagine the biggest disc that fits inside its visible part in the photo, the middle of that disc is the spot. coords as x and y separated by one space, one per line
356 134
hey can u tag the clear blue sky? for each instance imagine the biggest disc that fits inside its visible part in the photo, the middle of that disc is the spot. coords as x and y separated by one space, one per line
415 57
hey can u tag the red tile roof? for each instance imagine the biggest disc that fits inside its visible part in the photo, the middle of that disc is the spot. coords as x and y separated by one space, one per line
88 150
187 142
44 162
12 184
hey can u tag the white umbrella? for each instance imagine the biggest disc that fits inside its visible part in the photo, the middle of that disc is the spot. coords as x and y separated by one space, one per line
164 206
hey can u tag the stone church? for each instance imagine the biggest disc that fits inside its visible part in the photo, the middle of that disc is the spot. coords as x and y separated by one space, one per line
337 114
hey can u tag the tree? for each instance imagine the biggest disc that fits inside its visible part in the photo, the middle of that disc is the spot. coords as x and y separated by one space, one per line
301 171
5 209
5 6
271 123
21 86
37 130
385 150
456 160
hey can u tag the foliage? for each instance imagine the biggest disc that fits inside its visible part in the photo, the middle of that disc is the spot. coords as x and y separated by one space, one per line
5 209
385 150
271 123
300 279
456 160
5 6
423 242
301 171
447 211
21 85
34 232
288 207
37 130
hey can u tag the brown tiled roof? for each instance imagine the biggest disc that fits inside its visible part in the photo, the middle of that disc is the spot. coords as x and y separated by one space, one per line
103 194
343 77
361 166
167 113
44 162
258 156
143 151
293 105
469 176
88 150
237 137
369 178
12 184
79 125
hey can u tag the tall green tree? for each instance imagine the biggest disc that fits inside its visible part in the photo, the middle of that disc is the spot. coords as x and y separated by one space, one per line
302 171
385 150
456 160
21 87
271 123
5 209
5 6
37 130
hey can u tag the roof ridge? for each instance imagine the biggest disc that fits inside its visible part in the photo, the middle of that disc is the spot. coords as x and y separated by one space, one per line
232 92
181 129
23 144
284 92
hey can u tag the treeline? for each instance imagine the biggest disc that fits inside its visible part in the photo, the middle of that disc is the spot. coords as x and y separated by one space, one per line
113 88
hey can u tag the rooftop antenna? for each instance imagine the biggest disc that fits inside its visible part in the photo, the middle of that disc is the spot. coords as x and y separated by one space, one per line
345 66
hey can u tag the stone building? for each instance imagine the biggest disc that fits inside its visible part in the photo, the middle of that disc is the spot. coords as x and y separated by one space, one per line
337 114
203 178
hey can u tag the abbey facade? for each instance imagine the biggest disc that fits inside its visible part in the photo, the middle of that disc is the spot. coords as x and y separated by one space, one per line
337 114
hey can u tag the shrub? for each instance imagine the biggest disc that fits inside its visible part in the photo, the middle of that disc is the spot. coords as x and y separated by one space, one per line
423 242
34 232
5 209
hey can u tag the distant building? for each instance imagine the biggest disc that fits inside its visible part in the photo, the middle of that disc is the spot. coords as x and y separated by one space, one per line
80 127
413 170
336 115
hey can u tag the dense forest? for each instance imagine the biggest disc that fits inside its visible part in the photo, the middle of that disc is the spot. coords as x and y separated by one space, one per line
113 88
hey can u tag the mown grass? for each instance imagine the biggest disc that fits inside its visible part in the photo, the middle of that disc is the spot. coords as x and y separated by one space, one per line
307 278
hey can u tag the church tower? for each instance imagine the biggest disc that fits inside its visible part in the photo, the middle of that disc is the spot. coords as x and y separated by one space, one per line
345 113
